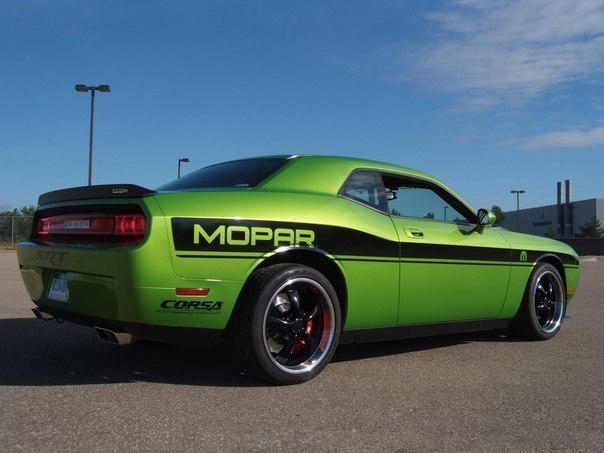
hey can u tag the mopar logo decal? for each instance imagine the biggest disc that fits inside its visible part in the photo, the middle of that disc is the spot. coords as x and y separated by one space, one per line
230 235
194 234
243 235
523 256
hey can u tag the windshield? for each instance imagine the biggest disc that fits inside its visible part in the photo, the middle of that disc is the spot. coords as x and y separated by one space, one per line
237 173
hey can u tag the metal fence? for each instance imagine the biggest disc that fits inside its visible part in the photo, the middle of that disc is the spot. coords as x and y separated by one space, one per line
586 246
13 229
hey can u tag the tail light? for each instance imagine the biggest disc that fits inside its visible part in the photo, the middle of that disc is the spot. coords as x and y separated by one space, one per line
93 224
92 228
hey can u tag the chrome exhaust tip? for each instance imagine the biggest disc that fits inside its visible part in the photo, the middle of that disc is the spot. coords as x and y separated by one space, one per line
120 338
42 315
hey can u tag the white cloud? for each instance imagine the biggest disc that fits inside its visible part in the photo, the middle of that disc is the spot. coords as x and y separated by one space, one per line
500 51
566 139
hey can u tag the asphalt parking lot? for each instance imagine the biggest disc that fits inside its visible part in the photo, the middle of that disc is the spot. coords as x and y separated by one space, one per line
61 389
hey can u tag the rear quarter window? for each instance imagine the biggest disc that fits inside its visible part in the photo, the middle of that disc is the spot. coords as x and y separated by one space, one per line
239 173
365 187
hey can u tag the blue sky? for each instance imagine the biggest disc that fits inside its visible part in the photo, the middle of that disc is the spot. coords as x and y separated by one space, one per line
488 96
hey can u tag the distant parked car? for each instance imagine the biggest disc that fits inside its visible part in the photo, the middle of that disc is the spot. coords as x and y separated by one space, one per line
286 257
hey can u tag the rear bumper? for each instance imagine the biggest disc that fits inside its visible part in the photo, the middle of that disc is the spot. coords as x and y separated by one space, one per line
192 336
128 290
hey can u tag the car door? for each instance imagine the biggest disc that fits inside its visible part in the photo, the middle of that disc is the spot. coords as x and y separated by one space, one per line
450 268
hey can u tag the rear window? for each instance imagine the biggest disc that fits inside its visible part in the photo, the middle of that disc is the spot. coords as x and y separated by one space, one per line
238 173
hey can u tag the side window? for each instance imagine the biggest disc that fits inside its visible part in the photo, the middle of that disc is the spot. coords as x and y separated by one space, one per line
365 187
409 198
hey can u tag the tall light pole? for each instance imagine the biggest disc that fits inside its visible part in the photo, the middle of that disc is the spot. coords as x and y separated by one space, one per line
80 88
517 192
185 160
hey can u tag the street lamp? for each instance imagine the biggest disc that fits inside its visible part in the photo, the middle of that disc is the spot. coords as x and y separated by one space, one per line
517 192
185 160
80 88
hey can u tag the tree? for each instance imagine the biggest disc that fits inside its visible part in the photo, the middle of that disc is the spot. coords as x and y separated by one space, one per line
15 225
592 229
499 214
27 211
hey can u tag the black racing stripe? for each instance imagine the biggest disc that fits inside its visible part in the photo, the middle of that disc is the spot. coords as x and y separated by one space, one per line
334 240
337 241
410 251
532 256
222 256
369 259
454 252
463 263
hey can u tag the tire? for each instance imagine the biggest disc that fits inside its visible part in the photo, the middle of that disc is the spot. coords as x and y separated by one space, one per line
286 326
544 304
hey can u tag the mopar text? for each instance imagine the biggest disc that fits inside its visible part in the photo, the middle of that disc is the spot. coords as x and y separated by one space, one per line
244 235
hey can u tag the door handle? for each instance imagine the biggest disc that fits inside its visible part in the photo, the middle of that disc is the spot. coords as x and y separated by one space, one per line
415 233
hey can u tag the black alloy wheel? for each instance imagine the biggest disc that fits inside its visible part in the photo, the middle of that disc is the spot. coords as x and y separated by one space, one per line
544 304
286 325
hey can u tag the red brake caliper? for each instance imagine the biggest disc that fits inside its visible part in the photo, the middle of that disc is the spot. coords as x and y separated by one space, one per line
300 344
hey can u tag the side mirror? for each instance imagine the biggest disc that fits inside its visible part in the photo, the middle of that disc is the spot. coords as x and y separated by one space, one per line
486 217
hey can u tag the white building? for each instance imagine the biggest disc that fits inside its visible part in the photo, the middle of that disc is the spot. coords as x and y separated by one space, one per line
559 220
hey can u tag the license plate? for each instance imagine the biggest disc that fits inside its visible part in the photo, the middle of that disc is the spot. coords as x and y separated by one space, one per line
58 288
76 224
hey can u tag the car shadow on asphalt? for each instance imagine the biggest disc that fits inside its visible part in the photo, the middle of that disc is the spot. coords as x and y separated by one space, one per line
38 353
357 351
45 353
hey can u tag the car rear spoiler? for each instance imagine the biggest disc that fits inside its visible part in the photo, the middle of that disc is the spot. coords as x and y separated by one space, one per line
94 192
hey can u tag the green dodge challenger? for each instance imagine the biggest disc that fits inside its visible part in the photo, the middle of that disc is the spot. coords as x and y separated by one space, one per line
285 257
